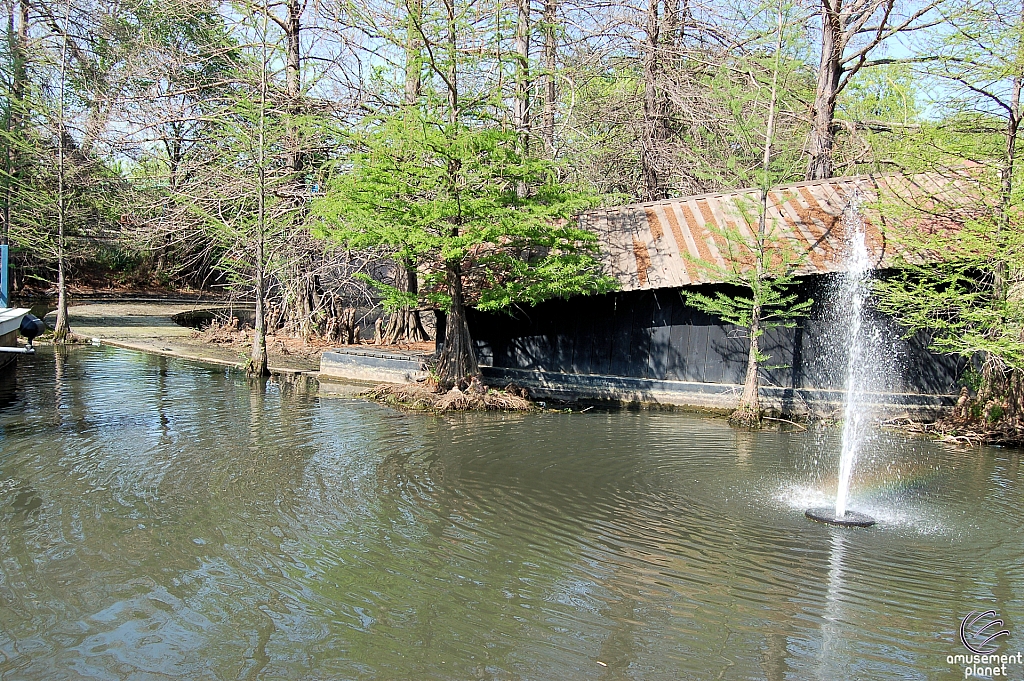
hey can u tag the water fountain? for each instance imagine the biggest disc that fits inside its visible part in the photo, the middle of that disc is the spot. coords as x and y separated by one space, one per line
854 288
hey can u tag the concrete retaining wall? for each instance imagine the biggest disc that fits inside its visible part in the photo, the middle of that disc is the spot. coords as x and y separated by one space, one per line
723 396
370 366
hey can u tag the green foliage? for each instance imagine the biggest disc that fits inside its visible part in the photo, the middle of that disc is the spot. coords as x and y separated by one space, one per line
439 195
962 280
950 286
971 378
759 259
762 266
887 93
778 308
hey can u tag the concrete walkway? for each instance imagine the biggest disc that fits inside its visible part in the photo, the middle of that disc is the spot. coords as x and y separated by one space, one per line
148 326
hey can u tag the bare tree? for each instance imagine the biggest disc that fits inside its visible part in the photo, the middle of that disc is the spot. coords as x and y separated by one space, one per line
550 71
851 32
658 30
62 328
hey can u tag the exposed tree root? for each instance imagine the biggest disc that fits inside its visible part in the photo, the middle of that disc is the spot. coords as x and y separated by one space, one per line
970 424
973 433
476 397
747 417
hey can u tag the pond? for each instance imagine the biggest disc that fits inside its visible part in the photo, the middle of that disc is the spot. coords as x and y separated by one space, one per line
162 519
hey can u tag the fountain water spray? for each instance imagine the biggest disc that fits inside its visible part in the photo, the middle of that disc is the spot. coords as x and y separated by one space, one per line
852 295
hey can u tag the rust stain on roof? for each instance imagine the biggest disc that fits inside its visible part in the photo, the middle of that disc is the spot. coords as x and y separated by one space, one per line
681 247
703 252
712 234
652 219
712 227
643 261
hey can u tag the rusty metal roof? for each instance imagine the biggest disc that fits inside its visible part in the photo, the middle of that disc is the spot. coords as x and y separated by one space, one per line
688 241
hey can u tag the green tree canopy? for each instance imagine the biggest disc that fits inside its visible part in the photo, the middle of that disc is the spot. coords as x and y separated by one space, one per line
448 197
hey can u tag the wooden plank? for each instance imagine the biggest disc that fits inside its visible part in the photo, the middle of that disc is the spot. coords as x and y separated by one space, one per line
583 340
661 335
715 358
711 230
697 349
640 336
706 250
621 337
619 243
604 326
679 339
665 270
643 261
683 245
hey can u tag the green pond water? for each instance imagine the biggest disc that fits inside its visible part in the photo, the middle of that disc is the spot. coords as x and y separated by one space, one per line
160 519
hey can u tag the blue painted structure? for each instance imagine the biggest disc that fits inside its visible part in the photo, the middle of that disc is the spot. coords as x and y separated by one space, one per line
4 285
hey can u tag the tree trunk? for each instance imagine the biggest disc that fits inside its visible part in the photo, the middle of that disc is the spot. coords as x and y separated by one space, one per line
819 165
550 65
1006 184
457 361
61 328
173 147
413 55
748 413
405 325
17 36
456 364
654 129
258 356
998 381
293 84
521 101
452 79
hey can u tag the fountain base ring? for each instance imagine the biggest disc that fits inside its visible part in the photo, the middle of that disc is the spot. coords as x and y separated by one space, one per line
828 516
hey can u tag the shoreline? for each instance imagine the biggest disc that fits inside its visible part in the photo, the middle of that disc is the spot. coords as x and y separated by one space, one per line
145 324
148 326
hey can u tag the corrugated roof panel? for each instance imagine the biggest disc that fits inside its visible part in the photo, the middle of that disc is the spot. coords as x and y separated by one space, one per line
663 244
695 229
815 223
684 271
687 246
654 222
665 261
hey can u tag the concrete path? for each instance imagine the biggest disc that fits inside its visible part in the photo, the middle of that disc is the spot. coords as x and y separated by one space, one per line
147 326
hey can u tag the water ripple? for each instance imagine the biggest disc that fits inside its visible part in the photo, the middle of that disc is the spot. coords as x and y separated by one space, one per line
164 520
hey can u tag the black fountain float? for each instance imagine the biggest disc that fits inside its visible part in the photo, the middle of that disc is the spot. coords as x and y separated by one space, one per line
829 517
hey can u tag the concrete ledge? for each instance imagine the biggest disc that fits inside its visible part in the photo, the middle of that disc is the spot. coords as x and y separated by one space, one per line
573 387
369 366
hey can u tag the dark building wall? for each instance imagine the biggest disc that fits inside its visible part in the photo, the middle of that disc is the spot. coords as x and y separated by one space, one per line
655 335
